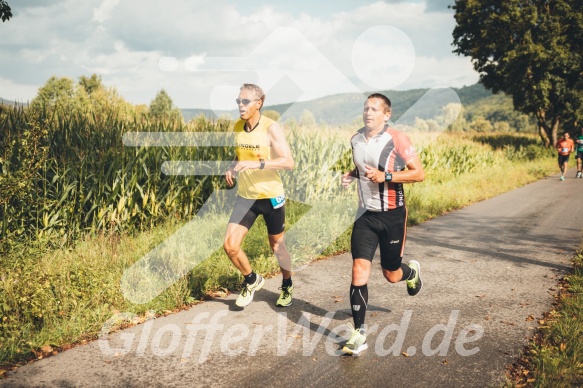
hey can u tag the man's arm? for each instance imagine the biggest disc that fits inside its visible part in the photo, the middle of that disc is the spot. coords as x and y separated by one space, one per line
283 159
230 174
413 173
348 177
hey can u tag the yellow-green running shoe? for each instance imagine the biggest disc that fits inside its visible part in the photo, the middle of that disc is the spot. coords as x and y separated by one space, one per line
414 285
285 298
248 290
356 344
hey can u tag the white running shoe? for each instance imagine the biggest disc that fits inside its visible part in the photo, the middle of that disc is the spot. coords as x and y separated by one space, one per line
246 295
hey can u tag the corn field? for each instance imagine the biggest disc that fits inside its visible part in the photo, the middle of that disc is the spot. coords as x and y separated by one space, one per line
67 174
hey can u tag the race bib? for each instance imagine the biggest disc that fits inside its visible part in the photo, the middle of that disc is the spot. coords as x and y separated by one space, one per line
565 149
277 202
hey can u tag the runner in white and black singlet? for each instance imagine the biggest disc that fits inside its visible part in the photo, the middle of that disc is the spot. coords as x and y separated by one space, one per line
384 160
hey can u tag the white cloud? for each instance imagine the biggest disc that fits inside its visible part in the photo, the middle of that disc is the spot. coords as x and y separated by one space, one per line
432 72
17 92
103 12
140 47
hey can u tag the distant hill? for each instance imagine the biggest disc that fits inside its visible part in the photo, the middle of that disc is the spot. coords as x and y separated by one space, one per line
347 107
11 103
6 102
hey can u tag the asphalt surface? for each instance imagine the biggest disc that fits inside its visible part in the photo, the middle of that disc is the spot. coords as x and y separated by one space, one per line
489 270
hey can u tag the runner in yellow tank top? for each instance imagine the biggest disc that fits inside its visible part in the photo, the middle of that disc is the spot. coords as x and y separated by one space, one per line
261 150
254 146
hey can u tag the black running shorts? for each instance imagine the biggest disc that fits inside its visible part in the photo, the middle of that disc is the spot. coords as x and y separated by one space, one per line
385 229
563 159
246 212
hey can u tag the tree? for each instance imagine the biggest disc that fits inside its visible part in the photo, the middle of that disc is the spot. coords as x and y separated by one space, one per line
272 114
531 50
89 95
5 11
480 124
90 84
56 93
162 107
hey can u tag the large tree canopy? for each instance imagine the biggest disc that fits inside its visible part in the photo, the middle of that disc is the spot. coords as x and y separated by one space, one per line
531 50
5 11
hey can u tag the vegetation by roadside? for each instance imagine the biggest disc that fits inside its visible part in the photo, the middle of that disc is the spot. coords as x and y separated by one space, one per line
56 295
554 357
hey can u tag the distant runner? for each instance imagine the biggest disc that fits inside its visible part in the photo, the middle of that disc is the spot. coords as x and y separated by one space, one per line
579 154
380 154
261 150
564 146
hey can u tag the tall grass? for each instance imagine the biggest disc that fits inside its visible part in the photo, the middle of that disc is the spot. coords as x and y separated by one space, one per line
102 206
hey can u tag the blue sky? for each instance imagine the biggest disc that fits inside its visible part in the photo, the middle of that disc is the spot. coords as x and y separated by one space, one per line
200 51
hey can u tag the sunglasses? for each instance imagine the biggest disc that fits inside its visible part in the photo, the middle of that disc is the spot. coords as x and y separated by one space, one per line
245 101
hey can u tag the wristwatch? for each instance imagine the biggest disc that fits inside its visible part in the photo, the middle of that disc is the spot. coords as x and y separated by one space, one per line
388 176
261 164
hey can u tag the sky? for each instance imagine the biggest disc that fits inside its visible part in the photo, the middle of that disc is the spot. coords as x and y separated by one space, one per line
201 51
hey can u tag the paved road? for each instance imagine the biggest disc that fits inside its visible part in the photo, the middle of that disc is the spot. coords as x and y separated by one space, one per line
486 269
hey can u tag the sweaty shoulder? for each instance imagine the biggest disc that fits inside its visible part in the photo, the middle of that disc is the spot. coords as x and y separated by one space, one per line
403 144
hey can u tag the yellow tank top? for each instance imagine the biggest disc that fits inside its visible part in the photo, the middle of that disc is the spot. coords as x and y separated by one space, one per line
254 145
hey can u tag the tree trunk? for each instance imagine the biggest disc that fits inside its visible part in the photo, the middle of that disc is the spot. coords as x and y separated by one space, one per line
544 131
543 135
548 133
555 128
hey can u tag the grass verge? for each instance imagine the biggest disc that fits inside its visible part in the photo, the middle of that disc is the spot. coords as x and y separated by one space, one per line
554 358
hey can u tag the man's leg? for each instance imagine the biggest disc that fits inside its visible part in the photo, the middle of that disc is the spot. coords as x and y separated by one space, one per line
280 250
411 273
578 167
277 244
392 246
358 304
232 245
359 290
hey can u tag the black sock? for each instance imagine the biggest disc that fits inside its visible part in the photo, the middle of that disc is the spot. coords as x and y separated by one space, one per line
408 272
251 278
286 282
358 302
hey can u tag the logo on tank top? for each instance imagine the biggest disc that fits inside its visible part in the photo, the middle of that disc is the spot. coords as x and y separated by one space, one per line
248 146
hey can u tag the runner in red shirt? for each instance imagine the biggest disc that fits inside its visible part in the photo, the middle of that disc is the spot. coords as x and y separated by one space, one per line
564 146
